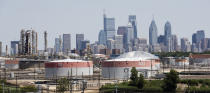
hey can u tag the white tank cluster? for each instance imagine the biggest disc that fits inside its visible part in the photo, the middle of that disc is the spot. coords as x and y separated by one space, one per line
68 67
120 67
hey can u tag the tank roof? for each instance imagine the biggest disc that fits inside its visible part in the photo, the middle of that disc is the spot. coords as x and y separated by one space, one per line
135 56
69 60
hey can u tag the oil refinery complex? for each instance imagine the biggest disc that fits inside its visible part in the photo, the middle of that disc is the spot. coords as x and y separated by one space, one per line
30 66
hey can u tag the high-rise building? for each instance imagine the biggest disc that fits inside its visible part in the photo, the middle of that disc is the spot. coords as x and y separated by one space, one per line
84 44
14 47
109 27
167 30
194 38
204 44
200 35
121 30
129 34
79 39
209 43
0 48
110 44
66 43
175 46
161 39
168 38
197 39
132 20
119 42
185 45
57 45
153 33
102 37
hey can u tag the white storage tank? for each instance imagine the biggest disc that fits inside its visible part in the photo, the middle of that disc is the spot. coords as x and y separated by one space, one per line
68 67
120 67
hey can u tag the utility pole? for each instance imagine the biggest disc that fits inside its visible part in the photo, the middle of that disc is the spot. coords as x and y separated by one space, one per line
16 82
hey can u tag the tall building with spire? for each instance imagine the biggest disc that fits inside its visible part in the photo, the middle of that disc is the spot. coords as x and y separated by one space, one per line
153 33
132 20
168 37
109 27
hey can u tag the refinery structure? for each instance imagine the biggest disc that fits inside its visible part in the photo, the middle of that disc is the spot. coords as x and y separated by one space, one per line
107 61
85 64
28 44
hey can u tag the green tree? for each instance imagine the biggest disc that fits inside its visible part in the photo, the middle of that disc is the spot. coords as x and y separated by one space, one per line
170 81
63 85
134 76
141 81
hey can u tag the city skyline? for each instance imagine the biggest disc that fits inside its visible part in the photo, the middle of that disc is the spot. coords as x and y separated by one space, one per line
12 23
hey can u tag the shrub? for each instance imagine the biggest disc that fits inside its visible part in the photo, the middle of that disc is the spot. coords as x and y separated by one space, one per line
29 88
193 82
152 89
63 84
141 82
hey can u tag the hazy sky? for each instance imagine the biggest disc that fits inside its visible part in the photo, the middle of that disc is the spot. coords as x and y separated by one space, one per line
85 16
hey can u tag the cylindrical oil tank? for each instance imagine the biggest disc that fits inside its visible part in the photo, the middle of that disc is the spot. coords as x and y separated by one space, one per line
120 67
68 67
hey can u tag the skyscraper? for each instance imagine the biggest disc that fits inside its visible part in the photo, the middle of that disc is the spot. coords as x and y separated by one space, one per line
0 48
119 42
185 45
174 43
167 29
200 35
129 34
121 30
161 39
102 37
153 34
194 38
168 38
14 47
84 44
109 27
57 45
79 38
132 20
66 43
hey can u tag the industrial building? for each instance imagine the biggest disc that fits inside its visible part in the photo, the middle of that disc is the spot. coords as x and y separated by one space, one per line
199 59
28 42
12 64
68 67
120 67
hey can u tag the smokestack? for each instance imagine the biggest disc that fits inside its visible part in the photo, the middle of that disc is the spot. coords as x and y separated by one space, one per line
6 50
33 42
45 41
36 43
22 42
